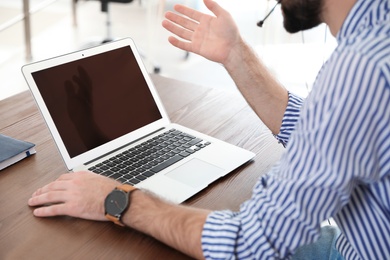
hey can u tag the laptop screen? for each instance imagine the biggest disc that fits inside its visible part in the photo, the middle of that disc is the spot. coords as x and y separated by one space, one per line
97 99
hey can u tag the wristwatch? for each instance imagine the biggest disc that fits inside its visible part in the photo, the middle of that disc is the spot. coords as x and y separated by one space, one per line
117 202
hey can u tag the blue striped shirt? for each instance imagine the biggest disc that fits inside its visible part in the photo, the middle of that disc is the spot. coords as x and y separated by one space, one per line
337 158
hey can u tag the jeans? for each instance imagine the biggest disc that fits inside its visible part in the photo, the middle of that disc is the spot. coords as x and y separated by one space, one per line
323 249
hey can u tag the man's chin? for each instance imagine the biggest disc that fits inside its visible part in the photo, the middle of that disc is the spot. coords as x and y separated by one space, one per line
297 27
289 25
293 22
290 29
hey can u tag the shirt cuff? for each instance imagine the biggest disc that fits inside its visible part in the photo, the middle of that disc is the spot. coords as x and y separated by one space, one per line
219 236
290 118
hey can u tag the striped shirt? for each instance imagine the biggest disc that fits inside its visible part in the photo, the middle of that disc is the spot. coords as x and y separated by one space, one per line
337 158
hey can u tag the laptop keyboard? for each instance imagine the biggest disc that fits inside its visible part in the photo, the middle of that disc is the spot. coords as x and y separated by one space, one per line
148 158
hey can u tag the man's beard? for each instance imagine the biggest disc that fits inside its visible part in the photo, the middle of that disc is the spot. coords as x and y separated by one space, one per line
301 14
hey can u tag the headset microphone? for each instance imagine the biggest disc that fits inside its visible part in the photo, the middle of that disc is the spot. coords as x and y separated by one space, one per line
260 23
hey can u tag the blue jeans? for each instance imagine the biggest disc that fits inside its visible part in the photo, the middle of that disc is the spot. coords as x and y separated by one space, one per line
323 249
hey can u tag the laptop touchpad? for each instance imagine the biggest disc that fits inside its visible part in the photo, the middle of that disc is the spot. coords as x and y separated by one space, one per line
195 173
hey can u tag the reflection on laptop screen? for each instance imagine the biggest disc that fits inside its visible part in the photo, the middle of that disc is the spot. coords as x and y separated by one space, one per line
97 99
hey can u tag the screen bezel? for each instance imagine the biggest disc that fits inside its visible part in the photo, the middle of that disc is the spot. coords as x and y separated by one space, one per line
73 162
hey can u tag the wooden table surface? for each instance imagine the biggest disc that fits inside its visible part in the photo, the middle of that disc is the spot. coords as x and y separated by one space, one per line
221 114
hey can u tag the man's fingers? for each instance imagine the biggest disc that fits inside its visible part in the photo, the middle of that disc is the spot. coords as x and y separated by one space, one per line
182 21
189 12
179 31
214 7
51 197
186 46
50 211
53 186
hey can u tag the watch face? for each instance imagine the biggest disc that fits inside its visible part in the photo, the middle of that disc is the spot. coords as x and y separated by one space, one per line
116 202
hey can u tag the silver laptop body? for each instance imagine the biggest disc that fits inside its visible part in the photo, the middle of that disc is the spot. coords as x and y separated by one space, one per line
101 107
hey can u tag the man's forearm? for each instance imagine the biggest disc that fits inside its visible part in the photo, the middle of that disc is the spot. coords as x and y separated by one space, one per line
177 226
267 97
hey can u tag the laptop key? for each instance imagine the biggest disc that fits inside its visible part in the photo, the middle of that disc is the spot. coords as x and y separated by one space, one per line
122 180
195 141
184 154
148 174
116 175
104 168
107 173
140 178
133 173
127 177
190 151
167 163
133 181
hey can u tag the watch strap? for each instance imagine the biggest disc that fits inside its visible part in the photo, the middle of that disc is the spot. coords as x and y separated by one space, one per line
126 188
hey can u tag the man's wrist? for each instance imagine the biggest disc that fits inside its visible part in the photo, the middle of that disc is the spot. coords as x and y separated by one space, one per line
118 202
235 55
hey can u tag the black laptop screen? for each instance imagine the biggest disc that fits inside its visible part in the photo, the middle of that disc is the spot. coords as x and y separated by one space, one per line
97 99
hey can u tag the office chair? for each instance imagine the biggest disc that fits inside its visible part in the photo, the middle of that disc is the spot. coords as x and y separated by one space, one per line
104 9
108 38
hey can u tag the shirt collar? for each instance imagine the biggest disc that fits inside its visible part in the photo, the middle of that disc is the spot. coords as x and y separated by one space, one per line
364 14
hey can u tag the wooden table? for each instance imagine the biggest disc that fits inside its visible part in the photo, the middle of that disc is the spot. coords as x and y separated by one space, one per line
222 114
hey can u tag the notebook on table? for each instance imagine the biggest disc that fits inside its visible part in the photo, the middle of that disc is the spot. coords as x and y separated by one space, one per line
105 116
14 150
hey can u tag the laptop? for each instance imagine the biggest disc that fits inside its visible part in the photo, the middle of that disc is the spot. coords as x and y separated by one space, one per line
105 116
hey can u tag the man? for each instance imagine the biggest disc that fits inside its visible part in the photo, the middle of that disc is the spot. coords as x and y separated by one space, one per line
337 159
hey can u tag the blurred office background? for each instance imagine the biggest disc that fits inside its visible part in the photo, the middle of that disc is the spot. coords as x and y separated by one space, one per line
293 59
